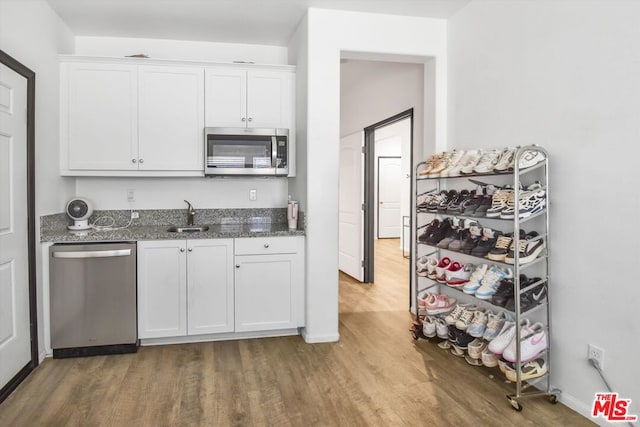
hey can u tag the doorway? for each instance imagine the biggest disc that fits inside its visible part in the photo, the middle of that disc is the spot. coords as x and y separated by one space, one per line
18 330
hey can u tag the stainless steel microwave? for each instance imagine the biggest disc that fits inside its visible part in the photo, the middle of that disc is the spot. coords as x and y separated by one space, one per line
240 151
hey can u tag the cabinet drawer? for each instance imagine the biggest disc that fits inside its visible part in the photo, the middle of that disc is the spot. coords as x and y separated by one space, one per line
265 245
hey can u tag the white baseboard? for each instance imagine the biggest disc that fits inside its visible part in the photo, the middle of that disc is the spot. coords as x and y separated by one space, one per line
317 339
581 408
218 337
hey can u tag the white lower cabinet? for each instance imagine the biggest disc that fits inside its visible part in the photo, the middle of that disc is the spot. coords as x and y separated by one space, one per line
185 287
269 283
202 287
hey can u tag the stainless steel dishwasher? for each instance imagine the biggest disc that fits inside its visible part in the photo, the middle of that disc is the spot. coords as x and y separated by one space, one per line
93 299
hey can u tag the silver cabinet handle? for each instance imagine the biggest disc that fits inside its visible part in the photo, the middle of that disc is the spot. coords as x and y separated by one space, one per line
266 245
181 249
190 249
92 254
133 160
237 265
243 119
250 119
141 160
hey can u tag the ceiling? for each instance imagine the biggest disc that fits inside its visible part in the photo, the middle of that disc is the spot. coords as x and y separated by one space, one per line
266 22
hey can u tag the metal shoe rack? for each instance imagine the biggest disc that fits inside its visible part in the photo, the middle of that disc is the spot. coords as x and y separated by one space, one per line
424 185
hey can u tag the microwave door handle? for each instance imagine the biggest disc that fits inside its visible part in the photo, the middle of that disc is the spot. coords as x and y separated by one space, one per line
274 152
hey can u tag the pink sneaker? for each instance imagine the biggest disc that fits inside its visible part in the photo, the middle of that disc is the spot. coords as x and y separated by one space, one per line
439 304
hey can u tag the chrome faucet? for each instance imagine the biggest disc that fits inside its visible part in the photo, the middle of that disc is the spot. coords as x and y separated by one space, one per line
191 213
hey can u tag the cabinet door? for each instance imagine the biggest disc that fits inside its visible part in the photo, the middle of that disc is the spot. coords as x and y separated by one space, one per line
162 289
268 99
210 286
226 97
99 110
265 292
171 118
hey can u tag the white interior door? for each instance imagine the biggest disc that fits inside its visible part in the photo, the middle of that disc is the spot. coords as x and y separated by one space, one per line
351 218
15 337
389 182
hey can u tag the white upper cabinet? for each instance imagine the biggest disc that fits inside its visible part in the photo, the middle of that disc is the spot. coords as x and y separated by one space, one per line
171 118
99 116
248 98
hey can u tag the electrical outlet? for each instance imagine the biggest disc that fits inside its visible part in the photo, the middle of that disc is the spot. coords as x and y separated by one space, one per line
253 195
596 353
135 215
131 195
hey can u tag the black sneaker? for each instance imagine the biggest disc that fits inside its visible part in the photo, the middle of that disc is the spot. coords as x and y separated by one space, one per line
463 340
451 195
475 233
440 232
530 247
432 204
486 243
429 230
451 235
528 299
505 291
501 248
454 205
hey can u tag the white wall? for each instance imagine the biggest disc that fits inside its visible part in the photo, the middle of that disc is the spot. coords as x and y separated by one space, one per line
180 49
330 33
565 75
34 35
170 193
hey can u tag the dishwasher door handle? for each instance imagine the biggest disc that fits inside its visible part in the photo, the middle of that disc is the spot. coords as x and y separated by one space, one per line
92 254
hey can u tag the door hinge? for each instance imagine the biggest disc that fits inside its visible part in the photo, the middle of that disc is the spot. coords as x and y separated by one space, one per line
364 151
362 263
363 207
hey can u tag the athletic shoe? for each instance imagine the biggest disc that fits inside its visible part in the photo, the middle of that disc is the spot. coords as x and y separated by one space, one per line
454 205
505 366
454 169
504 292
526 303
439 304
471 361
504 338
439 233
444 203
471 159
530 247
530 158
532 201
457 351
442 329
429 327
422 299
452 317
473 238
421 266
479 323
463 340
456 228
488 358
499 202
443 162
467 317
495 322
458 274
486 243
501 248
475 348
455 265
435 200
430 163
530 370
533 341
487 162
491 281
429 229
507 159
475 280
452 165
432 262
440 269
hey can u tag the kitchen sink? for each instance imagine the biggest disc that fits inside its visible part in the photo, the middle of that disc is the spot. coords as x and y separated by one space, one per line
188 229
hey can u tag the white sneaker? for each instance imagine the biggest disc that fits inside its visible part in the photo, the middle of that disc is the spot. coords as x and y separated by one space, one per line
471 159
487 162
421 266
479 323
452 317
432 262
439 304
491 281
488 358
457 275
475 280
495 322
429 327
533 341
476 347
453 164
504 338
500 201
467 318
530 158
442 329
507 159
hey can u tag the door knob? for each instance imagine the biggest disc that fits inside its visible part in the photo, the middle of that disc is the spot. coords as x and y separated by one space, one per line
266 245
133 160
190 249
382 203
237 265
181 249
250 119
243 119
141 160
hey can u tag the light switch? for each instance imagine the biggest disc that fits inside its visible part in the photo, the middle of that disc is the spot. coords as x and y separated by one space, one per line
253 195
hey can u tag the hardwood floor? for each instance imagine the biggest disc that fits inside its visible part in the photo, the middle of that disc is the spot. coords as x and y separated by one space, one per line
375 376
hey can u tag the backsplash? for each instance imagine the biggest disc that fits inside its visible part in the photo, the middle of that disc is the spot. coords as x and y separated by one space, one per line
151 217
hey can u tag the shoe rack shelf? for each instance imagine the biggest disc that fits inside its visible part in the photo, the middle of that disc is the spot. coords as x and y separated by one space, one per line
525 385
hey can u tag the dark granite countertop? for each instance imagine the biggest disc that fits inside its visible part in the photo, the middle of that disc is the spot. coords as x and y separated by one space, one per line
54 229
